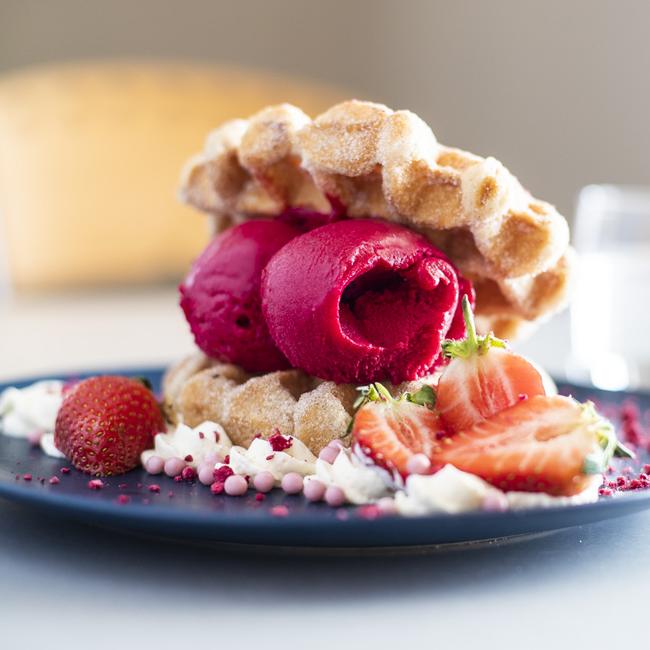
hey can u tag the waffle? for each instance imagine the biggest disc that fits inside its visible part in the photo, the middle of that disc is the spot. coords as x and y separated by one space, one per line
315 411
364 159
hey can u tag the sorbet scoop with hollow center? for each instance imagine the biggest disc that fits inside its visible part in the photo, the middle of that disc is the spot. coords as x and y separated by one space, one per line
360 300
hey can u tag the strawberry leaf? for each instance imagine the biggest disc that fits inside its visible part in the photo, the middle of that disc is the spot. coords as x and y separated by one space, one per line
621 451
424 397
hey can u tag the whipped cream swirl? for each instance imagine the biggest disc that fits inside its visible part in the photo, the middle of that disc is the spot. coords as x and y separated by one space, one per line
208 439
361 481
30 411
261 457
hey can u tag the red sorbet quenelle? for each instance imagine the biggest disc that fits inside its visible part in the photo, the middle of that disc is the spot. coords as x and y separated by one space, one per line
221 295
360 300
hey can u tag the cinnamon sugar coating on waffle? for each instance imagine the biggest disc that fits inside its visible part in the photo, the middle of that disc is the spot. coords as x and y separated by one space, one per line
364 159
198 389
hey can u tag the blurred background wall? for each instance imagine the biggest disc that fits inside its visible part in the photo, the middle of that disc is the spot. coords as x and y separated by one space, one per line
559 90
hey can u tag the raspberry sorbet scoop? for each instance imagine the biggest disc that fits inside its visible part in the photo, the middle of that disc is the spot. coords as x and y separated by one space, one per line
360 300
221 295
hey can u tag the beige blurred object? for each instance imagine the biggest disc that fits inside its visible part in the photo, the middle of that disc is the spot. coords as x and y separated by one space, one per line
89 159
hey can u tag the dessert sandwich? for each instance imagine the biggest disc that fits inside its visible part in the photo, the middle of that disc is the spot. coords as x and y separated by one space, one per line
349 313
365 199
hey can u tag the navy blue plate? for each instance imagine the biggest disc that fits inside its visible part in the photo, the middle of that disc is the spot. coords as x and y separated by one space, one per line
189 511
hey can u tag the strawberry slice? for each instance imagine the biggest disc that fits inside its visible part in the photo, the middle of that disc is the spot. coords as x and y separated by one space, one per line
391 430
542 444
482 378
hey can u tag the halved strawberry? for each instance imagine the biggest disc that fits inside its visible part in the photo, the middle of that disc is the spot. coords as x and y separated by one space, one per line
482 378
392 430
542 444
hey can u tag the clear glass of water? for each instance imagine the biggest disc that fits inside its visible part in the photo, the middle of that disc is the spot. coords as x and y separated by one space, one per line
610 307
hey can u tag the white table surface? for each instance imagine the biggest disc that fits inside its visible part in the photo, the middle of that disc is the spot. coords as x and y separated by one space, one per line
67 585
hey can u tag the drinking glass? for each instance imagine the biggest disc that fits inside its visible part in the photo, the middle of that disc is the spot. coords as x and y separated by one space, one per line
610 308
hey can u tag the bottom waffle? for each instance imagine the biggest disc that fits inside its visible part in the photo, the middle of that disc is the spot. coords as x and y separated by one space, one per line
316 412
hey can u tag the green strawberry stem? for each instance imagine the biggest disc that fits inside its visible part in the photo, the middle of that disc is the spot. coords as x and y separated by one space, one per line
384 393
470 325
621 451
472 343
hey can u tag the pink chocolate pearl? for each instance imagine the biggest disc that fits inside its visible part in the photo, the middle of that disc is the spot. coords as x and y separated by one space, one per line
206 474
34 438
314 490
335 444
387 505
154 465
334 496
174 466
328 454
235 486
418 464
264 482
292 483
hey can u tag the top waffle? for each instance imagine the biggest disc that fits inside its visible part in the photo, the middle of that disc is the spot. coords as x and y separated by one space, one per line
364 159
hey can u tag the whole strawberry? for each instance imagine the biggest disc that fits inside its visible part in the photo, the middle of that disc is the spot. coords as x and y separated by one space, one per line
105 423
